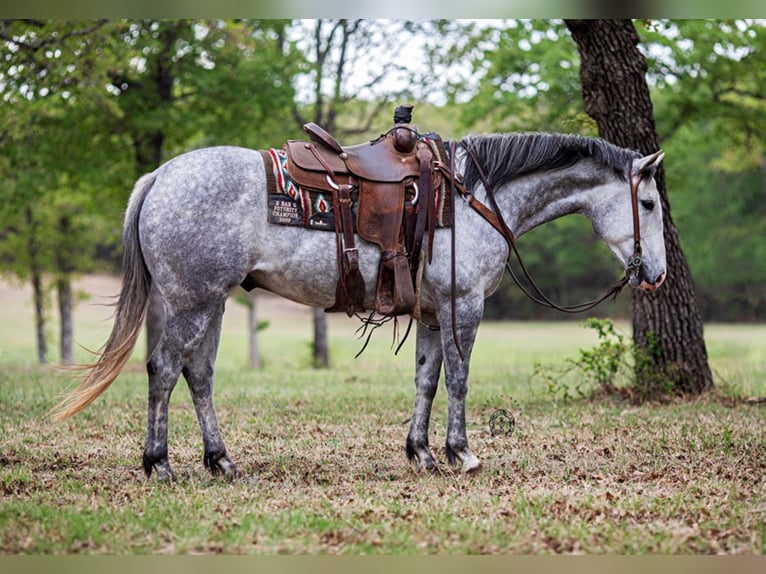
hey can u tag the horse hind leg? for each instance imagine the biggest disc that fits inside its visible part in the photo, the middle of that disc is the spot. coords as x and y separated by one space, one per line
198 373
183 333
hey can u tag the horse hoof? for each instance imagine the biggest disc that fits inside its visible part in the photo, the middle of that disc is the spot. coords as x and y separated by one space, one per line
159 466
472 467
164 473
229 470
427 466
224 466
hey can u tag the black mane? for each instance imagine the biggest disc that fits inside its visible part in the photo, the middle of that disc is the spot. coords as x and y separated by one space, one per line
505 157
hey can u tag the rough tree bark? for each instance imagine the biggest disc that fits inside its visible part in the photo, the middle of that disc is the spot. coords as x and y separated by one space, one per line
64 290
37 288
666 324
320 350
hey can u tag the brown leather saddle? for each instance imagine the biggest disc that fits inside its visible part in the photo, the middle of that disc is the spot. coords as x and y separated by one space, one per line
391 182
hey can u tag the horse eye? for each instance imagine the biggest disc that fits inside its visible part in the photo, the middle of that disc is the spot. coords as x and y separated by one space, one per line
647 204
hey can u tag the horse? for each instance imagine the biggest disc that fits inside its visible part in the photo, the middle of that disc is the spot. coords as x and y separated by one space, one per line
197 226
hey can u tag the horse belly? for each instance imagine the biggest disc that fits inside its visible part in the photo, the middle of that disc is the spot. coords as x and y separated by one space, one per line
301 265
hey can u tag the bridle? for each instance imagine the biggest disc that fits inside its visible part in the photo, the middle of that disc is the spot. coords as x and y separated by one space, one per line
493 215
635 261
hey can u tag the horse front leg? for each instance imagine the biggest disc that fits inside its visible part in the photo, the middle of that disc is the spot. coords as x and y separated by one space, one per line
469 311
428 364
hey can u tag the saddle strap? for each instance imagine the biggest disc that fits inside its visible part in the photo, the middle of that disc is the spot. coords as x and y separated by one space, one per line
350 252
349 294
426 214
425 157
342 198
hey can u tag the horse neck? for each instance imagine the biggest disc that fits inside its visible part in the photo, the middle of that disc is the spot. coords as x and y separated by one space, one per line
534 199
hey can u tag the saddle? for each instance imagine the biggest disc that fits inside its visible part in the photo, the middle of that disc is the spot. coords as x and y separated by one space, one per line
391 181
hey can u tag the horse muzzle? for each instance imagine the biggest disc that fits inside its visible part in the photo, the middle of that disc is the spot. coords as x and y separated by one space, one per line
650 287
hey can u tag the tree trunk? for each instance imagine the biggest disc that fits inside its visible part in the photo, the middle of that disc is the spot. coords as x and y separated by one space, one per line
320 350
254 346
667 324
37 288
39 295
64 289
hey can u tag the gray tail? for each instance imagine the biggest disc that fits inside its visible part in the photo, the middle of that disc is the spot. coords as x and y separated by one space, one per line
129 315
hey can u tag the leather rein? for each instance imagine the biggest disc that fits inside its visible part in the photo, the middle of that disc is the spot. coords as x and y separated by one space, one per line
495 218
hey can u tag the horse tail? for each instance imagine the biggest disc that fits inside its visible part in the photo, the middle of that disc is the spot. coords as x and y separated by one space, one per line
129 315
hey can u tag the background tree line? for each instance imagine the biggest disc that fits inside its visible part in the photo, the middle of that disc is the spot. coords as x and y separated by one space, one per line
88 106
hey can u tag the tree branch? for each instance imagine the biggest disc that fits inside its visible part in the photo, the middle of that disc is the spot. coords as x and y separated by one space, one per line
34 46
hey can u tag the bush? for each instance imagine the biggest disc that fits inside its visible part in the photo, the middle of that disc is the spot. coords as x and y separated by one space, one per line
616 366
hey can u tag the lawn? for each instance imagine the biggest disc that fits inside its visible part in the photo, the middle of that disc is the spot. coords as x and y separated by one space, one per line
322 451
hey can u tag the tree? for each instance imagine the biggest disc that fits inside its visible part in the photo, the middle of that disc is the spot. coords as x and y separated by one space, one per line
50 79
667 324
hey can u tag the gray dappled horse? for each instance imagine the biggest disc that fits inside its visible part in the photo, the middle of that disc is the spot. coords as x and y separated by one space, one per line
197 226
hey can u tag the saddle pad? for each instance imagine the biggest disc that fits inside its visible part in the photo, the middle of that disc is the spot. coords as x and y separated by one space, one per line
291 204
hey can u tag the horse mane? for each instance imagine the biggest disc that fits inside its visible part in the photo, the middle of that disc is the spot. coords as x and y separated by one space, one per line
505 157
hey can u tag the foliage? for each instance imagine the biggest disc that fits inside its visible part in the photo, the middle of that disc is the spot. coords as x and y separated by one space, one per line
711 70
608 369
529 79
196 83
348 62
711 112
59 161
87 106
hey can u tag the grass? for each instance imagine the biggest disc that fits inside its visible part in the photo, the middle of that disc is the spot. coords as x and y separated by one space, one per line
323 458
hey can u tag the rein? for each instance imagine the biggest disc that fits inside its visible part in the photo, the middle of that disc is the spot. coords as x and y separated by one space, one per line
495 218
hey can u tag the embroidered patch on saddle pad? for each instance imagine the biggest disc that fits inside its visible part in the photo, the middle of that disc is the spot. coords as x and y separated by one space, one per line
290 204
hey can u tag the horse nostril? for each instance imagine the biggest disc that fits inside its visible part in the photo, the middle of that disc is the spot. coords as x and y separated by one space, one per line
649 287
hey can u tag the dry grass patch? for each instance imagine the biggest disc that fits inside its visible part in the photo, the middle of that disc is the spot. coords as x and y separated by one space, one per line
324 477
324 465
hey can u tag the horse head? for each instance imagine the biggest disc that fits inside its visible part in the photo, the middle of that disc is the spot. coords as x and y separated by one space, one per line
632 226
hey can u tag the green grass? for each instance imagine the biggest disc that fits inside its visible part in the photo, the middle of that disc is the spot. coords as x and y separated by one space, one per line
323 458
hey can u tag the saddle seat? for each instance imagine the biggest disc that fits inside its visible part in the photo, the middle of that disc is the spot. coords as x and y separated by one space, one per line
377 160
380 175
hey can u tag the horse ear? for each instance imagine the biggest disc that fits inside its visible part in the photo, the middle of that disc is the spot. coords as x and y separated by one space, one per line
648 164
